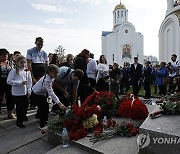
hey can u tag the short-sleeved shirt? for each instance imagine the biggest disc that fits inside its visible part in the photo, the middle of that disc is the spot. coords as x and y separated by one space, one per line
37 56
64 79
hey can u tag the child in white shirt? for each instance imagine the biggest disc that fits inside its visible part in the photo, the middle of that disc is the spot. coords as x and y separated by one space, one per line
40 92
21 82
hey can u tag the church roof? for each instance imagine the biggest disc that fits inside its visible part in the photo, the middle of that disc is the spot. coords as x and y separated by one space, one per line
105 33
177 13
120 6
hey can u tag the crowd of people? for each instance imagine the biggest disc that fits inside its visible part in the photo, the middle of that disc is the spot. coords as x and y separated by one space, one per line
31 80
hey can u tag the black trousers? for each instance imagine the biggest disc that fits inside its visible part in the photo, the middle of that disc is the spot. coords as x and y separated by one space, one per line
21 108
147 88
43 108
172 86
92 82
5 89
135 87
124 83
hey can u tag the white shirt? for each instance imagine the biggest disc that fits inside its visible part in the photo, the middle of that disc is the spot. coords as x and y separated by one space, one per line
14 79
37 56
44 87
174 69
103 70
91 68
135 65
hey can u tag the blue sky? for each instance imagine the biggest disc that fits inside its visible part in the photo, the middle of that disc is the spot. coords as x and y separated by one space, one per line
74 24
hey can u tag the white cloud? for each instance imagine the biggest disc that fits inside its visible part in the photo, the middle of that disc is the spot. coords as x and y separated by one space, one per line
45 7
94 2
58 21
51 8
20 37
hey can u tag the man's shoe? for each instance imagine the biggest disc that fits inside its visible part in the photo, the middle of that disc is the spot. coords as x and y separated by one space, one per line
37 116
20 126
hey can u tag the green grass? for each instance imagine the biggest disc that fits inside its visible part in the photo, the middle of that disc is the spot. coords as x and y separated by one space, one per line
142 91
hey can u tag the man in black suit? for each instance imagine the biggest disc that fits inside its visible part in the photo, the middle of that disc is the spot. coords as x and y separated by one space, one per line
135 73
147 75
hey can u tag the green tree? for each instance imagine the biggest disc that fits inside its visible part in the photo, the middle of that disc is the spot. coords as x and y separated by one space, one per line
60 51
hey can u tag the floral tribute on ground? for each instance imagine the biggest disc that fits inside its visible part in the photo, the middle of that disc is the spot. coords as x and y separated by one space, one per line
88 118
169 105
131 107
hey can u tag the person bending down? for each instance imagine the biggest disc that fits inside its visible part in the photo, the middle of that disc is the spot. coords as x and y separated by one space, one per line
41 90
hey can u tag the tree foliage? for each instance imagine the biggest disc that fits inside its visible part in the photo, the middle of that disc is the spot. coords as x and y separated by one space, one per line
60 51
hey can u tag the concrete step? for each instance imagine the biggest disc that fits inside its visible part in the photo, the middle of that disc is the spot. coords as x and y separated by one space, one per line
68 150
160 135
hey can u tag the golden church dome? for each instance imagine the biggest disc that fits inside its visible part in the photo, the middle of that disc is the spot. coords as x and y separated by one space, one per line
120 6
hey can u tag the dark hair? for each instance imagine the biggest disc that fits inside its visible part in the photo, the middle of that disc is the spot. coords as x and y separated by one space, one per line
39 39
3 51
177 80
78 73
52 68
50 54
91 55
16 52
174 55
148 62
100 59
68 56
83 53
54 59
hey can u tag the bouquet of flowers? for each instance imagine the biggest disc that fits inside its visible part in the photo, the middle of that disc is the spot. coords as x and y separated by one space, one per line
104 99
132 107
123 129
168 105
87 117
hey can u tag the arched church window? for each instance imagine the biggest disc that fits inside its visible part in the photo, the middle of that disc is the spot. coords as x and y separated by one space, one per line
115 17
126 51
121 14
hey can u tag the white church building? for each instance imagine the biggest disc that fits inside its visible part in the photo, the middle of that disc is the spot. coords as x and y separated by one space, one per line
123 43
169 32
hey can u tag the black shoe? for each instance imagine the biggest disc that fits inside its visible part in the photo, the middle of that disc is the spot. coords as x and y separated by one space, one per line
37 116
20 126
25 118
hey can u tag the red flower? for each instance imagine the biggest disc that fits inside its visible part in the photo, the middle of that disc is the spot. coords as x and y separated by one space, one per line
135 110
76 136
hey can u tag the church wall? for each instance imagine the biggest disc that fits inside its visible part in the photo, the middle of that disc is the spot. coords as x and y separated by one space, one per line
169 38
126 35
104 45
112 48
139 48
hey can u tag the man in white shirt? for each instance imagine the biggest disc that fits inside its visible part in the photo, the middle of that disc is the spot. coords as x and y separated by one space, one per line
37 62
92 70
173 69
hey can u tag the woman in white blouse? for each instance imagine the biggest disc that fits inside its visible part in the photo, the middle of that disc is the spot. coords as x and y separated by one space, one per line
102 75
